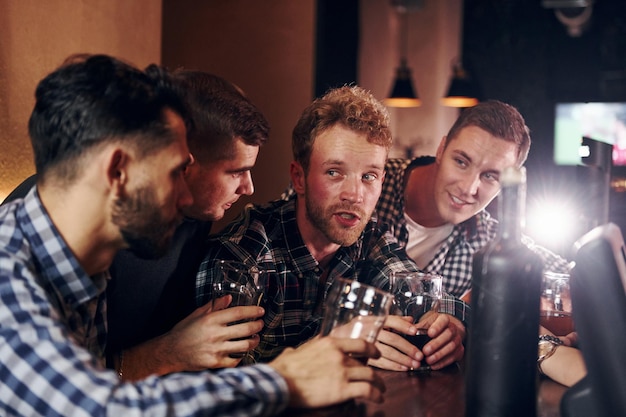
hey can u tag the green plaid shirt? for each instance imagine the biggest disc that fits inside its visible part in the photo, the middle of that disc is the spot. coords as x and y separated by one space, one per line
268 236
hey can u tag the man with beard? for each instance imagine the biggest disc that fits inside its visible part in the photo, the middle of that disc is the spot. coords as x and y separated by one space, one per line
110 152
340 145
152 324
149 316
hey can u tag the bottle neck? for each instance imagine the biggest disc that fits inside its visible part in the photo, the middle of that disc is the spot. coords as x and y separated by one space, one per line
511 206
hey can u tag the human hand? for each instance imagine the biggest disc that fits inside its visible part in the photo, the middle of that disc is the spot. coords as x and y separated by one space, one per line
325 371
444 348
397 353
570 339
446 345
207 337
204 339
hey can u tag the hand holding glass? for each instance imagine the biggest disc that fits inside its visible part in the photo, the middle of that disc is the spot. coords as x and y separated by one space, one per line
417 295
355 310
243 282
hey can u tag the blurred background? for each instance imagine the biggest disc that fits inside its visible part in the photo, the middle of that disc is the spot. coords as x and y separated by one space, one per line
538 55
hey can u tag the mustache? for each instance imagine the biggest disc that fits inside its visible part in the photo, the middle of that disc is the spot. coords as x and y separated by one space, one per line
350 208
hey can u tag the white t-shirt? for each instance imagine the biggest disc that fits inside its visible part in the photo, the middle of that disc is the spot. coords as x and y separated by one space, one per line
425 241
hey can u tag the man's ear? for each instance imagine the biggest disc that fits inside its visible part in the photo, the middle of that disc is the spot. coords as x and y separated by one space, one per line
297 177
440 149
117 170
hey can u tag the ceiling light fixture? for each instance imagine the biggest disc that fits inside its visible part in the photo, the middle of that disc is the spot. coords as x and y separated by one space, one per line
462 91
402 93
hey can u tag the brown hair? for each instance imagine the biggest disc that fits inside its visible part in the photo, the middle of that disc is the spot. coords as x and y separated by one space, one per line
220 113
350 106
498 119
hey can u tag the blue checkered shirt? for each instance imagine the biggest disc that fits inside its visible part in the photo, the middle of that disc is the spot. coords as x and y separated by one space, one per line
268 236
52 339
453 259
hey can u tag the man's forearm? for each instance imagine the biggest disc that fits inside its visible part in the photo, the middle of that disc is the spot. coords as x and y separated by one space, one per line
148 358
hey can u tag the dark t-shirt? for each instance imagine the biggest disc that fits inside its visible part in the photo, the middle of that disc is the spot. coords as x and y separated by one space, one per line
146 298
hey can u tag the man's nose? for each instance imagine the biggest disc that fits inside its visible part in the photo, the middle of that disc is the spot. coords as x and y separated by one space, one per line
353 190
470 185
247 185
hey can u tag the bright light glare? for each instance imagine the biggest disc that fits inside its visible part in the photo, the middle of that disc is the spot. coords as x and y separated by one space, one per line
584 151
551 223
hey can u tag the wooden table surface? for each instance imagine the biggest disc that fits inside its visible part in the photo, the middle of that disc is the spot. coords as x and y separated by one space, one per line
436 394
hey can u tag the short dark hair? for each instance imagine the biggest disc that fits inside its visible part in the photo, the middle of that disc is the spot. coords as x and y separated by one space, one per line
94 99
220 113
350 106
498 119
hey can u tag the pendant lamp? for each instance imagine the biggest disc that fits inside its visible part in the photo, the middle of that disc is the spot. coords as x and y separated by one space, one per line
462 91
402 93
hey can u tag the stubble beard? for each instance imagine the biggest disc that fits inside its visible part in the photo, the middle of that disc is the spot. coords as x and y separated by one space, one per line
321 219
142 225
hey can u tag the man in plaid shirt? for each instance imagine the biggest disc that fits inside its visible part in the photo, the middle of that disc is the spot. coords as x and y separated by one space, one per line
111 151
340 145
435 206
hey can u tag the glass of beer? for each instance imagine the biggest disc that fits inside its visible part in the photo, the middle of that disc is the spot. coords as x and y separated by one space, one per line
556 304
417 295
245 284
355 310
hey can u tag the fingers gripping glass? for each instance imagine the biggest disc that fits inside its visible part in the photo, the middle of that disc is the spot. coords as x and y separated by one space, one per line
245 284
417 295
355 310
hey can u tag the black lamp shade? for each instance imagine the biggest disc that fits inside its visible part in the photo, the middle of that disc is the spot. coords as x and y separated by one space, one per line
462 91
402 93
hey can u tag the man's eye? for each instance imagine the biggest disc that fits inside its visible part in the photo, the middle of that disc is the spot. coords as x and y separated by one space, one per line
491 177
333 173
369 177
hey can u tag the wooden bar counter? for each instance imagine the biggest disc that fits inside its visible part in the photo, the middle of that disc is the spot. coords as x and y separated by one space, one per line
434 394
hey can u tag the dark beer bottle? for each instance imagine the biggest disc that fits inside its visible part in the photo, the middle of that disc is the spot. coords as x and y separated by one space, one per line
501 372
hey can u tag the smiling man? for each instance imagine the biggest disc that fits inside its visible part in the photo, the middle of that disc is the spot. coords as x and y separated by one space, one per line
340 145
436 205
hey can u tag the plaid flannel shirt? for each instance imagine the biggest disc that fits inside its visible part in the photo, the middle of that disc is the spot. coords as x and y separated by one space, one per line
453 259
268 236
52 339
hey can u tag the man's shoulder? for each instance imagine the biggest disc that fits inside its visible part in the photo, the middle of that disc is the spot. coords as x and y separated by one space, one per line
258 220
481 228
8 218
395 172
17 262
403 163
396 164
378 232
13 242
